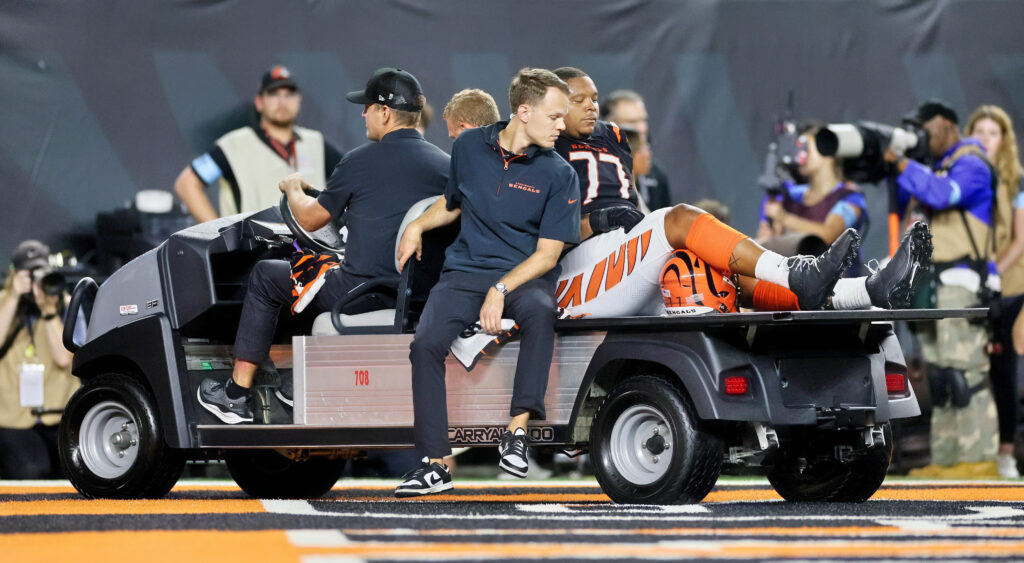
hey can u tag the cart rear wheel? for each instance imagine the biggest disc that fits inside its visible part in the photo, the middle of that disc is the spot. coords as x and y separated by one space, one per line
648 445
807 474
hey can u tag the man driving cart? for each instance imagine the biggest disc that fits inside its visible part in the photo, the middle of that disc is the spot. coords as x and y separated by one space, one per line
373 185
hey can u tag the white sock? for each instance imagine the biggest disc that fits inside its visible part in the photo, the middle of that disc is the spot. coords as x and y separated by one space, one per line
851 293
771 267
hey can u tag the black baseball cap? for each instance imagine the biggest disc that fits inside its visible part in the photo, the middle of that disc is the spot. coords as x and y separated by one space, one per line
392 87
277 77
29 255
931 108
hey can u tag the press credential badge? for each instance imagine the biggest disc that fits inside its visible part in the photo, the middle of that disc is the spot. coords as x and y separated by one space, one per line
31 384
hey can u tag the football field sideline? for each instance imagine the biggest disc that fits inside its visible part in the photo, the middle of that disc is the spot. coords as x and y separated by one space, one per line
359 520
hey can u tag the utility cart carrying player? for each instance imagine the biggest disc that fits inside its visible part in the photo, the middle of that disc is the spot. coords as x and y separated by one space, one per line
663 405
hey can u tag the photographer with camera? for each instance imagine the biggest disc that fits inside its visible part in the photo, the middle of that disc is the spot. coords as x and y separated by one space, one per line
956 194
825 206
35 368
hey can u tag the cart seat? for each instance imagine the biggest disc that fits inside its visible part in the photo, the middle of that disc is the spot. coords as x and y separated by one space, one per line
414 283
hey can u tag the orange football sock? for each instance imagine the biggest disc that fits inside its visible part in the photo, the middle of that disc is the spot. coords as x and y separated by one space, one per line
773 297
713 241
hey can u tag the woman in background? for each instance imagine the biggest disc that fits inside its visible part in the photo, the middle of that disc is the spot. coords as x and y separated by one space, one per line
993 127
825 206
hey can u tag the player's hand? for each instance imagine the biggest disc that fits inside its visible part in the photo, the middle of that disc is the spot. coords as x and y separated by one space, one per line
22 282
490 312
410 244
611 218
774 211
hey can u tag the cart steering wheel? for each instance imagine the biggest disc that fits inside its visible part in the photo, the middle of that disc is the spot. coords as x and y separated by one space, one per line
326 239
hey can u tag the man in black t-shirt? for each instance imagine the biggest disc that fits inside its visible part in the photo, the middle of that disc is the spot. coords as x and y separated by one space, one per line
374 185
519 205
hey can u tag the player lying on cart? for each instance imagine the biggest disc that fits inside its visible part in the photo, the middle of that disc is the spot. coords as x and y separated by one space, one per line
616 270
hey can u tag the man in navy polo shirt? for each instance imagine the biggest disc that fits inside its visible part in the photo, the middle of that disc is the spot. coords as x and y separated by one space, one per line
519 204
374 185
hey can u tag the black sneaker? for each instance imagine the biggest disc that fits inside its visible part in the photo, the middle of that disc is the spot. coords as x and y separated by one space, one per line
427 479
892 286
513 453
812 278
214 398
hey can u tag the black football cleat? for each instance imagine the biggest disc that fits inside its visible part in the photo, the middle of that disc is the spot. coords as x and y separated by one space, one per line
892 286
811 278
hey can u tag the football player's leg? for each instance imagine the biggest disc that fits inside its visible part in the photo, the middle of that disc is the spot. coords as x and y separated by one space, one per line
889 287
616 273
766 296
725 248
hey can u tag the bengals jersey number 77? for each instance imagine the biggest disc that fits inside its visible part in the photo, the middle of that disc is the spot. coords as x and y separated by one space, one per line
604 164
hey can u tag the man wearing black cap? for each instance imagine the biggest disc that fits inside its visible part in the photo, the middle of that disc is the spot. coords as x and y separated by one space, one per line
373 185
34 368
248 162
956 196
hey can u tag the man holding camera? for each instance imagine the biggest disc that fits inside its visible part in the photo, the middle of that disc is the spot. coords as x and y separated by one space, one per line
957 197
34 367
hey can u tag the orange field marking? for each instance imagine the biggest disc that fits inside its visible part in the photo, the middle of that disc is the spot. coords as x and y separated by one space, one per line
161 506
687 548
160 546
952 494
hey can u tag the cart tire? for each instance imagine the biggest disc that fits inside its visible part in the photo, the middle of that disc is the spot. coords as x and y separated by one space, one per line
267 474
798 480
111 443
649 447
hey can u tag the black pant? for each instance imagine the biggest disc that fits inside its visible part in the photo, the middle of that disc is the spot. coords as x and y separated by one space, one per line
270 290
29 453
453 304
1003 370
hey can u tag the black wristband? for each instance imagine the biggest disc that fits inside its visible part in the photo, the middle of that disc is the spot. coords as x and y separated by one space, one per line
50 316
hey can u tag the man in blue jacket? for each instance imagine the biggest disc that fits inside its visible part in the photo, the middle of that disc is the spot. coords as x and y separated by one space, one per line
956 196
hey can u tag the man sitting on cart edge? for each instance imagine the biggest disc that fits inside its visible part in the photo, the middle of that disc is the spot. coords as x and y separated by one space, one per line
374 185
503 264
595 280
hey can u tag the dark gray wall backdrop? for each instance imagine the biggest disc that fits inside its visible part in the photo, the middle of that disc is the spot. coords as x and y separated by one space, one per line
101 99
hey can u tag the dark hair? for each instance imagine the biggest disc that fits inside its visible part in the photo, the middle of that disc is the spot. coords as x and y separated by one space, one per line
531 84
809 127
567 73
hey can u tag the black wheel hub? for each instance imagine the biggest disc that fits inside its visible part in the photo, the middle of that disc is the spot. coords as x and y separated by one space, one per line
655 444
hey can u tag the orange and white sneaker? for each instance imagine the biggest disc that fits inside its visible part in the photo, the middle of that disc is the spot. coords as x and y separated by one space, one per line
309 272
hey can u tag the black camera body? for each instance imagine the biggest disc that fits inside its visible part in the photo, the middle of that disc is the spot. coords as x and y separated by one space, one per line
781 162
862 146
52 282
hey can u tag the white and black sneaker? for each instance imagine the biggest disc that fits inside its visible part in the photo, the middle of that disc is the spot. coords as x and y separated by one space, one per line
214 398
513 453
427 479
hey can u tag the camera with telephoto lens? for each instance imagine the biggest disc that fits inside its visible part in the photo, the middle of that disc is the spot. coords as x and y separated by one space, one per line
51 281
781 162
862 146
